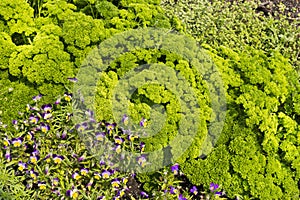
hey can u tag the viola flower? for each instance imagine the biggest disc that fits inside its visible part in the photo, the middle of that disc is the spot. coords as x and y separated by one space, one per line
22 166
119 140
42 185
33 174
173 190
33 119
144 194
44 127
76 176
142 146
81 158
37 98
141 160
15 122
117 148
81 127
47 108
29 136
64 135
175 169
100 136
68 97
48 158
143 122
97 175
7 156
6 142
55 182
68 116
105 174
194 190
84 171
89 185
57 101
47 116
73 80
101 198
110 127
125 120
115 183
74 193
213 187
180 197
33 159
57 158
125 180
17 142
132 137
46 170
121 193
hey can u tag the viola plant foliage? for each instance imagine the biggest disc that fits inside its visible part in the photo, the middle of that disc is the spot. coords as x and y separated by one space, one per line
44 42
48 158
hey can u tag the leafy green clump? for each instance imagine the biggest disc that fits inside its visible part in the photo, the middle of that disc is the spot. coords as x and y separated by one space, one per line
257 154
44 43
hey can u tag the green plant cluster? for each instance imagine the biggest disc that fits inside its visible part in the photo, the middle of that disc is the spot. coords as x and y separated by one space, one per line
237 23
257 154
45 42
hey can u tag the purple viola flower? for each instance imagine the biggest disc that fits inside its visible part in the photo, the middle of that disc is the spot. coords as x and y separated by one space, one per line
47 108
57 158
64 135
143 122
33 174
142 146
97 175
33 159
102 162
47 116
117 148
37 98
118 140
44 127
81 158
131 137
194 190
22 166
73 80
6 142
73 193
84 171
55 182
42 185
213 187
76 176
100 136
141 160
105 174
101 198
81 127
57 101
68 97
175 168
33 119
7 156
180 197
173 190
115 183
125 119
89 185
15 122
144 194
17 142
48 158
110 127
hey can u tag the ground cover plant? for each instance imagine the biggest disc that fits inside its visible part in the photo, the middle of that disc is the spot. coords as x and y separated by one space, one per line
43 45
